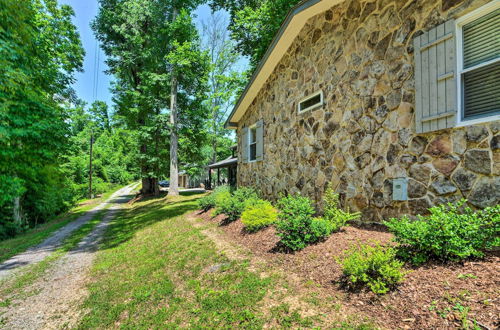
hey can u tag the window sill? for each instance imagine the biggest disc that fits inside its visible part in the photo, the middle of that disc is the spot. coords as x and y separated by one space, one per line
484 120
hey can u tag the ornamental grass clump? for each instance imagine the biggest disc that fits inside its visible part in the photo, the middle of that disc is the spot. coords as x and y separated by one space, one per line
374 267
337 217
452 232
258 215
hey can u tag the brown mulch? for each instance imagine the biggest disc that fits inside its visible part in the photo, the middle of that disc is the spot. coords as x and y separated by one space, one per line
435 295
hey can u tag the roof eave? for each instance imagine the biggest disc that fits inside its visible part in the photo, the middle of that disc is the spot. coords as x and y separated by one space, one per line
306 4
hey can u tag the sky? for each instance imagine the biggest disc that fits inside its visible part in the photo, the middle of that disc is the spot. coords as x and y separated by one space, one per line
85 11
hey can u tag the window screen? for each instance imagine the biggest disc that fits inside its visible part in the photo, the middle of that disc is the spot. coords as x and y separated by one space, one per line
481 66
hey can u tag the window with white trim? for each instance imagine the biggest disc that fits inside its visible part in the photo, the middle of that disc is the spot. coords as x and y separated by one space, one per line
252 143
478 45
311 102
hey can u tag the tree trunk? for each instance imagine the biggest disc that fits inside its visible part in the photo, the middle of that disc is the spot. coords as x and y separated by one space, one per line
17 212
174 139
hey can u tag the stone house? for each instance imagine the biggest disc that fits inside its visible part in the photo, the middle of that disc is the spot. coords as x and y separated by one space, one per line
395 103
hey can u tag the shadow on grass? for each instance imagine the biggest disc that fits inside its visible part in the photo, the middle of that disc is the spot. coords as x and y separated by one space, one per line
152 210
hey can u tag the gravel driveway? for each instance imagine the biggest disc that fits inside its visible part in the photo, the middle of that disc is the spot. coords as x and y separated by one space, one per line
63 287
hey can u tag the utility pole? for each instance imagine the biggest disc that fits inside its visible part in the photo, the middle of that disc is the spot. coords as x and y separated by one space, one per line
90 172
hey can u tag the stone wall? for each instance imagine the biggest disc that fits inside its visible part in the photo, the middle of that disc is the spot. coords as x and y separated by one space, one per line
360 54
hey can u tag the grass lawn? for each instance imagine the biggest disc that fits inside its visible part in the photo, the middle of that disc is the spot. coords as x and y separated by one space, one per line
156 269
34 236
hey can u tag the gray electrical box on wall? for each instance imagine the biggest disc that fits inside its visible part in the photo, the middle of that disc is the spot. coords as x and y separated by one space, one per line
400 189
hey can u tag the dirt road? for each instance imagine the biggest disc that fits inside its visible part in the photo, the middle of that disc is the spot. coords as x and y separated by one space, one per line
62 288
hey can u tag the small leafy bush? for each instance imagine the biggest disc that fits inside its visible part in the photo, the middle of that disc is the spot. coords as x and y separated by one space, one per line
296 226
450 232
209 201
233 205
374 267
259 214
337 217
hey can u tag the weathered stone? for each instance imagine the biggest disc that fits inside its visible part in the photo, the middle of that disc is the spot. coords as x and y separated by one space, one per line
363 160
407 160
495 127
330 127
378 199
405 115
486 192
478 161
447 4
381 113
393 99
459 141
443 186
404 136
378 179
378 164
441 145
496 162
369 124
393 153
360 54
464 179
391 123
495 143
421 172
419 206
416 189
417 145
476 133
446 164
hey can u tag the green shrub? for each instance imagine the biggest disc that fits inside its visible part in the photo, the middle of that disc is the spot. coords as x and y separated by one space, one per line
296 226
258 214
209 201
374 267
232 205
450 232
337 217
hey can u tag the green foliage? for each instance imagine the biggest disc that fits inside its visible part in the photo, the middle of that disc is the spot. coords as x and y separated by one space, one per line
210 201
258 215
296 226
374 267
452 232
146 48
40 51
337 217
255 23
233 205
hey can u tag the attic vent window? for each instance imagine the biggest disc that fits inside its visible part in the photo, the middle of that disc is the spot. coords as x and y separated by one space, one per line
311 102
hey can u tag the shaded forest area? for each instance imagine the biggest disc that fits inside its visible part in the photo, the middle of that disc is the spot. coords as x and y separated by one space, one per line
174 85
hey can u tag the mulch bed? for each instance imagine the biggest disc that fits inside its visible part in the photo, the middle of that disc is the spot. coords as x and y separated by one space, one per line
434 295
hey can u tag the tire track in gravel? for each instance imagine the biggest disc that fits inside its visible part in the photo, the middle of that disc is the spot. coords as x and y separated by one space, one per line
60 291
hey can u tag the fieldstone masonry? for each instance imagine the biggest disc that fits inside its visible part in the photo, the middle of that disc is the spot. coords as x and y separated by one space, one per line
360 55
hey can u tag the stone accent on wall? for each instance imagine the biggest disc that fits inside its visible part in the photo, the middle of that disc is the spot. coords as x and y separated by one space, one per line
360 55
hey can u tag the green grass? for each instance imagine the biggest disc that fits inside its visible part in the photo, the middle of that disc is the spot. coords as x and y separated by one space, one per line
34 236
152 272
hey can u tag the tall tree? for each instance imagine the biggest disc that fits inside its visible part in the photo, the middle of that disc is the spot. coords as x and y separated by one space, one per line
40 51
254 23
225 80
153 52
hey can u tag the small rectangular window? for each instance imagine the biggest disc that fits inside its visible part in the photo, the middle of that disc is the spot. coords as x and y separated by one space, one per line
480 65
311 102
252 143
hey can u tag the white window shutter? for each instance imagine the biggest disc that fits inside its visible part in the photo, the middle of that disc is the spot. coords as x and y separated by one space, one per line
260 140
244 145
436 78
